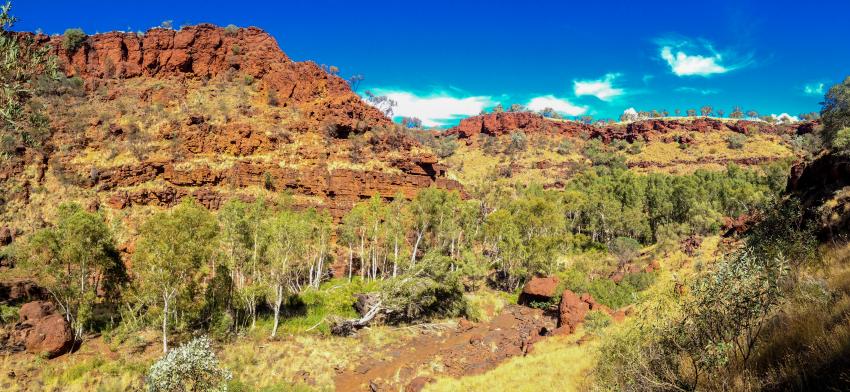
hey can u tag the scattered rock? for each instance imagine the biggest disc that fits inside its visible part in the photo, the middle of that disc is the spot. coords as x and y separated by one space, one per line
691 244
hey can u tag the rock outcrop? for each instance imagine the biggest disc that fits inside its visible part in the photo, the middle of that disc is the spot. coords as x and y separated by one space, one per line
42 330
496 124
574 308
538 289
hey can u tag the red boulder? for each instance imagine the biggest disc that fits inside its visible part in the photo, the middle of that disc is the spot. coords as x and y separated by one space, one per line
43 330
571 311
541 287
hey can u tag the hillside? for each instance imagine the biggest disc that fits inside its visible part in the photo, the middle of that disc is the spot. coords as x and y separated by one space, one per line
145 120
193 209
550 151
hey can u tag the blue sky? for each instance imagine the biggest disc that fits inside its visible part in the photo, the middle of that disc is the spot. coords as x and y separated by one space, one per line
443 60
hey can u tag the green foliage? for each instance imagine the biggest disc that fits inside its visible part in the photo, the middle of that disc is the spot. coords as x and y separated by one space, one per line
624 248
172 260
599 155
73 39
308 311
445 146
524 237
231 29
596 320
565 147
22 62
714 333
736 141
519 142
611 294
74 260
8 314
190 367
430 289
295 241
835 111
841 141
783 232
605 204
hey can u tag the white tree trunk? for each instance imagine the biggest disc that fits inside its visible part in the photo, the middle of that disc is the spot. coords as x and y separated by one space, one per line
415 248
165 301
350 261
277 303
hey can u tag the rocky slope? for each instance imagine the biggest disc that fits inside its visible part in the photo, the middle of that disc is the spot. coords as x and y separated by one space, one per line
209 112
527 147
498 124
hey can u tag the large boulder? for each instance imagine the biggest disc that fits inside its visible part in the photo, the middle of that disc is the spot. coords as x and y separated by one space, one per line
571 312
539 290
42 330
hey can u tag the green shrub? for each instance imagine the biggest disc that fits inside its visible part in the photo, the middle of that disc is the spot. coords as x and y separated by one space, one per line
8 314
564 148
610 294
596 320
641 280
736 141
73 39
231 29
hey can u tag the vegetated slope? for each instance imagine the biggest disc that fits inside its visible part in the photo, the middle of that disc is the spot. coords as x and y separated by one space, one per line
822 187
213 113
529 147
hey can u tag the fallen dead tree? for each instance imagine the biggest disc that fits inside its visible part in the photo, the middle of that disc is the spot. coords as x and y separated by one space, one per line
342 327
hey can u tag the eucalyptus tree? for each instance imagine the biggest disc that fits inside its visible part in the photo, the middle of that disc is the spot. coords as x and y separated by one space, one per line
172 259
74 260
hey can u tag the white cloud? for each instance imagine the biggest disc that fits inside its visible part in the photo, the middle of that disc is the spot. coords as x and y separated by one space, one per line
694 90
437 109
813 89
560 105
785 117
684 64
631 114
602 88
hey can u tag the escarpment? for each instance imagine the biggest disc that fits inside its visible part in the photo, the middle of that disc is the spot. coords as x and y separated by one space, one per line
146 119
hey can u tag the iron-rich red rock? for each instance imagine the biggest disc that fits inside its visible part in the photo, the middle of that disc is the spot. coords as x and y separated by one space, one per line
541 287
43 330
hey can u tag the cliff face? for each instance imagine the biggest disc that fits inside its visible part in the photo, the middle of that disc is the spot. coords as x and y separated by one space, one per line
208 51
212 113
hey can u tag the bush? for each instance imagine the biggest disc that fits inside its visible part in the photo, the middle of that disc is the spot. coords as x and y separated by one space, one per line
8 314
518 141
564 148
190 367
231 29
73 39
429 291
445 147
736 141
596 320
611 294
624 248
599 155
